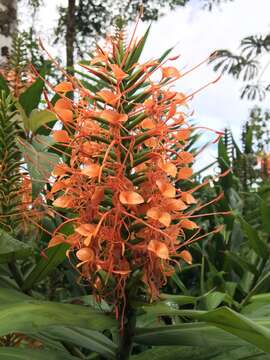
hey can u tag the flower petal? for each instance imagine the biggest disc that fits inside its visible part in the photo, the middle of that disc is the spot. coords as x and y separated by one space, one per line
64 201
61 136
166 189
186 256
130 198
159 249
85 254
184 173
64 87
91 170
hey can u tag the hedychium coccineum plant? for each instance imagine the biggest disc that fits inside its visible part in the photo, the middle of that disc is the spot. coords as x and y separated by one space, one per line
120 186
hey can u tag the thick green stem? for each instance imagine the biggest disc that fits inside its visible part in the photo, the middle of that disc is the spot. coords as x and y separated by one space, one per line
127 334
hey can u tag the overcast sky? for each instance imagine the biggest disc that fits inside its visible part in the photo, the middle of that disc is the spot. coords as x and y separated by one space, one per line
196 34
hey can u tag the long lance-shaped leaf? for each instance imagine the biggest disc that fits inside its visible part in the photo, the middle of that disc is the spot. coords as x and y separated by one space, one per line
32 316
88 339
202 353
253 331
30 99
9 353
11 249
53 257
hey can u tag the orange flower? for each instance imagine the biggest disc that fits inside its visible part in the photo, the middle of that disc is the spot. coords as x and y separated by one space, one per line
130 198
188 224
119 74
56 240
85 254
64 201
159 249
61 136
184 173
186 157
157 214
64 87
109 97
148 124
186 256
168 167
91 170
188 198
113 116
170 72
166 189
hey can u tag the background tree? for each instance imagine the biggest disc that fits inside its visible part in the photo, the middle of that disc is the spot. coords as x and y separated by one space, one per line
8 24
83 21
249 65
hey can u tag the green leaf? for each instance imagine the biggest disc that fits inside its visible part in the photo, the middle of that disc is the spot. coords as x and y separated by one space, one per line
178 299
12 249
32 316
88 339
262 285
255 242
39 163
54 256
202 353
42 142
225 164
38 118
248 140
9 353
265 212
214 299
30 99
239 263
187 334
240 326
4 85
166 309
10 295
135 55
253 331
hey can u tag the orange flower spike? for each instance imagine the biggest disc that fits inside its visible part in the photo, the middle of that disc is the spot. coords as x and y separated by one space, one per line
63 103
125 153
182 134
